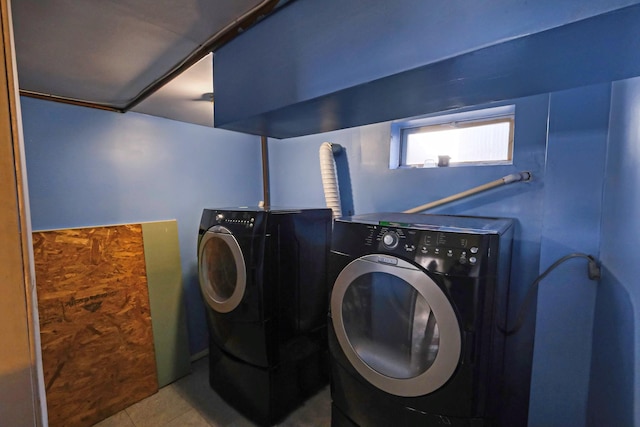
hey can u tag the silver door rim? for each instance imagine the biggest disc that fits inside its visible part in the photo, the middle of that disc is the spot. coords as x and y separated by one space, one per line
448 355
227 305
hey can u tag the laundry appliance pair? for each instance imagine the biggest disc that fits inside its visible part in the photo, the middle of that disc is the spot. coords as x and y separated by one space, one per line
416 306
263 275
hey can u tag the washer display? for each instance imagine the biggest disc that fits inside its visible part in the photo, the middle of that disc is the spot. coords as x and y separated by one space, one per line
413 311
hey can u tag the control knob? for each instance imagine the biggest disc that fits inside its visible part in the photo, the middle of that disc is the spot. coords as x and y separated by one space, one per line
390 239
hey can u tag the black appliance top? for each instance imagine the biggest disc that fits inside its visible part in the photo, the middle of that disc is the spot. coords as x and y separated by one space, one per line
452 223
250 218
271 209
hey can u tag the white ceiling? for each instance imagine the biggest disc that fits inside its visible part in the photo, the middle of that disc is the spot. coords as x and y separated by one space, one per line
126 54
188 97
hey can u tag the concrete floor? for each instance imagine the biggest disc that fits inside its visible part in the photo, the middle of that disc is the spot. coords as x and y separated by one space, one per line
190 402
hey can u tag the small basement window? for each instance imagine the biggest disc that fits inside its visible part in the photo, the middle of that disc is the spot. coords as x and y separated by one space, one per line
472 138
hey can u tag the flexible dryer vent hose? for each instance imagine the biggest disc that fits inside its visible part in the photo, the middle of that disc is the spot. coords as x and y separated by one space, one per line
330 178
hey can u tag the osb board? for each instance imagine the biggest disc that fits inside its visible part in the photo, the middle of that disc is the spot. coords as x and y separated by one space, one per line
168 316
95 322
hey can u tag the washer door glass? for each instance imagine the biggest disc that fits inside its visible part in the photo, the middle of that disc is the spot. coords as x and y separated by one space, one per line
395 325
221 269
399 336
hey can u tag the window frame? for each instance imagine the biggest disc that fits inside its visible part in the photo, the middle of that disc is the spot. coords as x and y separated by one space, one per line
450 120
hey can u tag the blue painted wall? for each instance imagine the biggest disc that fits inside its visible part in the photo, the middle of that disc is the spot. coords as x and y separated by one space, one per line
614 397
334 50
291 75
576 152
561 138
90 167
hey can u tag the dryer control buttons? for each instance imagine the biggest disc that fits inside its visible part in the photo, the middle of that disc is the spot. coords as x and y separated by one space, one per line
474 250
390 239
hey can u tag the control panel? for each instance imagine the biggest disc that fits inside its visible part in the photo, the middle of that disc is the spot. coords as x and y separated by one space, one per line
437 250
246 219
460 247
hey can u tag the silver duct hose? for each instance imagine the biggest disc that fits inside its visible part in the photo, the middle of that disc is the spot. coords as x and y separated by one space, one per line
330 178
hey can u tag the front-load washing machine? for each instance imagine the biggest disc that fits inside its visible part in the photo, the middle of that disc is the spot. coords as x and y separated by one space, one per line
414 311
263 276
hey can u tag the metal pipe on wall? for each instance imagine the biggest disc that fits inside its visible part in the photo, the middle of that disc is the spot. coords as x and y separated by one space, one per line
514 177
266 201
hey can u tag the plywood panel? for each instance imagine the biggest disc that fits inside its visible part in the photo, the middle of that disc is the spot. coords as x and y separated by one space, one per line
164 277
97 341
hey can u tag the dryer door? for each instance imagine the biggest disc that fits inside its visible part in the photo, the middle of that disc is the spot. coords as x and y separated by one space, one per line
395 325
221 269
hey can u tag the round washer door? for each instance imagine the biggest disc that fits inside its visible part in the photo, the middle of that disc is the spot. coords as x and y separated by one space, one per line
395 325
221 269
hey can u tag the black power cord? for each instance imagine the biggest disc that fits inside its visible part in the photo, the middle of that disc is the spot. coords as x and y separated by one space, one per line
593 270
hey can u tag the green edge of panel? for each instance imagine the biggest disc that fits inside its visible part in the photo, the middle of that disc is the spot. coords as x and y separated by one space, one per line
166 298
